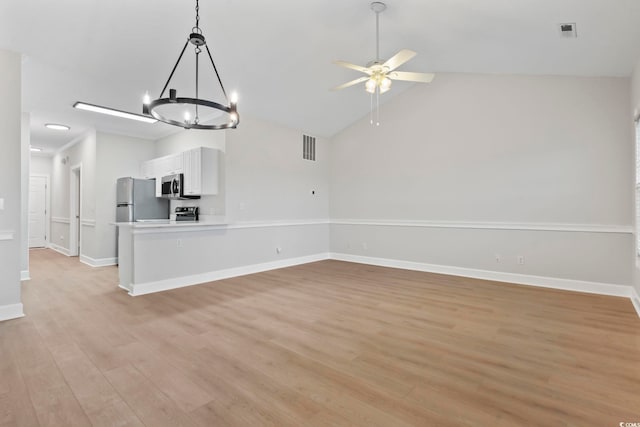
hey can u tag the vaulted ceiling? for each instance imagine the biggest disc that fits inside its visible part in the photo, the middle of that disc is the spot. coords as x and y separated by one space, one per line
278 55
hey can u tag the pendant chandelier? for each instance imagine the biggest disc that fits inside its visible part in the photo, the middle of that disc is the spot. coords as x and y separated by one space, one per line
169 109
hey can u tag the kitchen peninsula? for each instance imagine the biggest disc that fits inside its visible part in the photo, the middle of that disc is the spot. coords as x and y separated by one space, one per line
152 252
156 256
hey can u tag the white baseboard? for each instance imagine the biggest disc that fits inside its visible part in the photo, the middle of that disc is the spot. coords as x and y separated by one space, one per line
59 249
635 300
11 311
24 275
520 279
100 262
180 282
530 226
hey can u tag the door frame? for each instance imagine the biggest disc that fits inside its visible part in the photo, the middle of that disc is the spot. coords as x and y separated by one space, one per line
75 185
47 206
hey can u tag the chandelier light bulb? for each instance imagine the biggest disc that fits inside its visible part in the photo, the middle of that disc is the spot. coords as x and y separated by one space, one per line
146 99
234 98
187 116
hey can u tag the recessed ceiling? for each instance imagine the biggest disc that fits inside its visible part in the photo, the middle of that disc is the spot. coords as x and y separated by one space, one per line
278 55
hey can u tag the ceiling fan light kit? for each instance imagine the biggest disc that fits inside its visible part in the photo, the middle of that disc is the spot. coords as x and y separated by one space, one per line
154 107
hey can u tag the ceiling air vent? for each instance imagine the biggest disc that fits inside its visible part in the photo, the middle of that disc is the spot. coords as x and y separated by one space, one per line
309 147
568 30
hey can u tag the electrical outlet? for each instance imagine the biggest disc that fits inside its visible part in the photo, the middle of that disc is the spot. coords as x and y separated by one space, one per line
520 259
498 259
278 250
61 237
179 243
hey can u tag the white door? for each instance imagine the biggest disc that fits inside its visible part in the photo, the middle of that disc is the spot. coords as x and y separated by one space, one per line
37 211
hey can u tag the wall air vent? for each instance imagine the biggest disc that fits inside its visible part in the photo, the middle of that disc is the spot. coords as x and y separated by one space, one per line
309 147
568 30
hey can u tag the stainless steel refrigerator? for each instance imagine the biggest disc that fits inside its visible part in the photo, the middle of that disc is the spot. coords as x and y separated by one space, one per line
136 199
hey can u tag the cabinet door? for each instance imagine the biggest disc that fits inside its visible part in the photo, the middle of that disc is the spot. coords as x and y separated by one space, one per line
151 170
175 164
191 161
163 167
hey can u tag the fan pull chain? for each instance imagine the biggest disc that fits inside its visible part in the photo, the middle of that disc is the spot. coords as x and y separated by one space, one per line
371 111
377 92
378 107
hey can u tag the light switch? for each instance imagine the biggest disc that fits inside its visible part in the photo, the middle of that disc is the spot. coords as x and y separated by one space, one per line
1 204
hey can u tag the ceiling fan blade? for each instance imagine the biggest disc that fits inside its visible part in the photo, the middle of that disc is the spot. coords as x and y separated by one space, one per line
351 83
353 67
398 59
411 77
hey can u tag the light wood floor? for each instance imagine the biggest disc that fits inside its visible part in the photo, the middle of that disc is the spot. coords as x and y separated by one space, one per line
324 344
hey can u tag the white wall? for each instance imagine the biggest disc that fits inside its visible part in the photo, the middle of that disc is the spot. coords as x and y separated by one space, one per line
40 165
520 151
117 156
25 142
104 158
187 139
83 153
59 201
635 108
10 174
635 90
267 178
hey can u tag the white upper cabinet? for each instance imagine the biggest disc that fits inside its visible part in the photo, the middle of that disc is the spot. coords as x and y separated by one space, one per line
173 164
162 166
199 166
200 171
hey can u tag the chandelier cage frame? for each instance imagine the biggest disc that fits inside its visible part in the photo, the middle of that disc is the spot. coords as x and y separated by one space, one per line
151 108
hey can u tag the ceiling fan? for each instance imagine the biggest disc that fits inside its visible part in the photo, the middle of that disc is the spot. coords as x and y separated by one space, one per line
378 73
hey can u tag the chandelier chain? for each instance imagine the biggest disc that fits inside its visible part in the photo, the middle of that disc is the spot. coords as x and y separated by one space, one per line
198 14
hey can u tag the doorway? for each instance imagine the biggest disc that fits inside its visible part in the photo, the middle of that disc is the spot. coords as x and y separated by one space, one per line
75 210
38 210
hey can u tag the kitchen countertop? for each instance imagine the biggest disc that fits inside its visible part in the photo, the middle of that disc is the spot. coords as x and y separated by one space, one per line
171 224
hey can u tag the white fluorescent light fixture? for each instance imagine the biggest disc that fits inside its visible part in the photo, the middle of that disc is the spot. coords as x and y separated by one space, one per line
112 112
35 149
56 126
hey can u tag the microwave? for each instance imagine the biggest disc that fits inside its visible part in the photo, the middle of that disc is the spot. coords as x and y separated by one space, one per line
173 187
